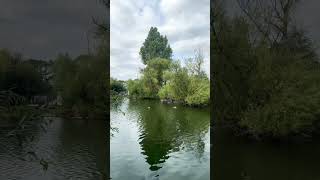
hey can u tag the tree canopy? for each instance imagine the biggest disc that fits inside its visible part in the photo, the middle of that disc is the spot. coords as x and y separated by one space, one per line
155 46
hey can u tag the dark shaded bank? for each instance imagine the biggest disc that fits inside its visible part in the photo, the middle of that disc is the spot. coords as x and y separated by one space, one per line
243 132
237 157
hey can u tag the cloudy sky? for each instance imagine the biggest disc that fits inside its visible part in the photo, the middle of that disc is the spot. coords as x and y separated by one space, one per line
43 28
184 22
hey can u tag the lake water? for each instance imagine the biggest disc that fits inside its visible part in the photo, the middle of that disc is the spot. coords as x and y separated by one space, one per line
239 158
73 149
157 141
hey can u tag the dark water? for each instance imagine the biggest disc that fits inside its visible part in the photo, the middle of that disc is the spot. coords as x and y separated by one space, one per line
160 142
238 158
73 149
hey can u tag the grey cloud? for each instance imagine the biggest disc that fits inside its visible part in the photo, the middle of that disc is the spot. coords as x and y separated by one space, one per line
43 28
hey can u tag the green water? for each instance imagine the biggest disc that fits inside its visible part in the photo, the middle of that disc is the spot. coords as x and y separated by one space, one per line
159 142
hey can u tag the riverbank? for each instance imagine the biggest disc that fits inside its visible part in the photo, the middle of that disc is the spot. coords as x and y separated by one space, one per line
179 102
239 131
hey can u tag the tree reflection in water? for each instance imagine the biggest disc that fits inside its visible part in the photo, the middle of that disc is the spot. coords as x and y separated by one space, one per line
165 130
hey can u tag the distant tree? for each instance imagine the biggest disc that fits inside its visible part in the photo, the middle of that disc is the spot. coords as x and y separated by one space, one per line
155 46
21 76
195 65
117 86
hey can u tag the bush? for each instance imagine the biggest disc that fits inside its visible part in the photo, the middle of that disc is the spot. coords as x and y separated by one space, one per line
283 96
117 86
182 86
21 76
82 84
199 91
135 88
266 90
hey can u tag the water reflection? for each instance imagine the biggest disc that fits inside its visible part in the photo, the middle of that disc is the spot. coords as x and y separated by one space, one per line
165 130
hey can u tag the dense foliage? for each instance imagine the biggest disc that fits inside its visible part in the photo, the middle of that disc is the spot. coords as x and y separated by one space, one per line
155 46
82 84
21 76
267 89
166 79
183 86
117 86
20 81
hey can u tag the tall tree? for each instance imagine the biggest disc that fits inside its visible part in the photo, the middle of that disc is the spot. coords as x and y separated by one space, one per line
155 46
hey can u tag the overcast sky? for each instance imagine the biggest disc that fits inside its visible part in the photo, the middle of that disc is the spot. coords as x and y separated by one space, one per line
43 28
184 22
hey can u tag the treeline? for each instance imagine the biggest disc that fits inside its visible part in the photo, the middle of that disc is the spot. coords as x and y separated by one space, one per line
79 85
24 77
265 71
165 79
117 87
21 80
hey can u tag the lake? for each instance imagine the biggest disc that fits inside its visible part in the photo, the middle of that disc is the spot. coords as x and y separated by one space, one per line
239 158
72 148
152 140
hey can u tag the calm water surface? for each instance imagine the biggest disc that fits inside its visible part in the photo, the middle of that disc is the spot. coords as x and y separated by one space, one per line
74 149
238 158
159 142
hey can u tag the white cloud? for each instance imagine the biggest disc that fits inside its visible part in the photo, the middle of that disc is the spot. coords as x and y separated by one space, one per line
184 22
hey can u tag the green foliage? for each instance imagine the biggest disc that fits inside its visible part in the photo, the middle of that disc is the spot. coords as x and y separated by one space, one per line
22 77
159 66
150 83
266 89
152 76
166 92
179 84
155 46
282 96
151 80
135 88
82 84
231 69
184 86
199 91
117 86
166 79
